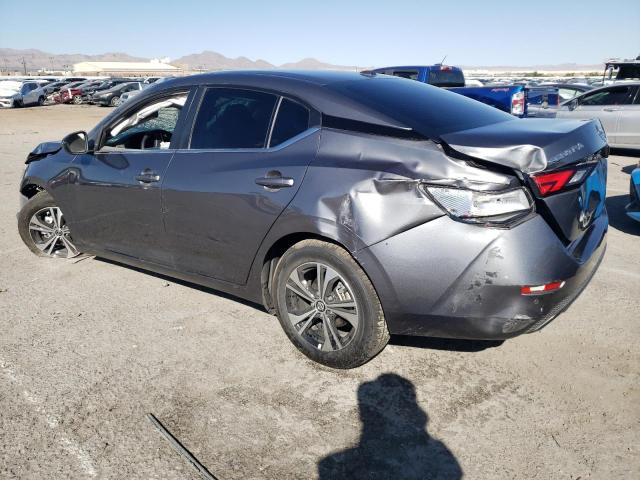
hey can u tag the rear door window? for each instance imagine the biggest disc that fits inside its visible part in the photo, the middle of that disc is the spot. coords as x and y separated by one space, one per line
292 119
230 118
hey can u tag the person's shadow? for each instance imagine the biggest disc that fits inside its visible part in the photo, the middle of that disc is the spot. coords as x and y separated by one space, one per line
394 443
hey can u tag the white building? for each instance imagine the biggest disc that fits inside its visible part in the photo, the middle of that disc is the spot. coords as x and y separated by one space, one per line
125 68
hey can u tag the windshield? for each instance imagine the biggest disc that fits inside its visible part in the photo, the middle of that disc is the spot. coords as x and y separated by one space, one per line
428 110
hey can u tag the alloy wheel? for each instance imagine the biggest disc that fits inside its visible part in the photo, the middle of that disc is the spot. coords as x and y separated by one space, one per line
321 306
51 234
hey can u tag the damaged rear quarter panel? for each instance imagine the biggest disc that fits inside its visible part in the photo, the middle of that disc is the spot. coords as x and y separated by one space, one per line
365 188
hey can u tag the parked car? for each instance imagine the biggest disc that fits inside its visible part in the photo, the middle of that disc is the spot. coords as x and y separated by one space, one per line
111 96
352 206
54 87
616 106
633 209
102 86
18 94
437 75
69 93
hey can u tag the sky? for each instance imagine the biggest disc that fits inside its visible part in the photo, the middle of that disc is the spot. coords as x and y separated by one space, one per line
360 33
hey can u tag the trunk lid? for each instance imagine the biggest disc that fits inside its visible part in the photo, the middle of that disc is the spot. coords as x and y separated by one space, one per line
538 146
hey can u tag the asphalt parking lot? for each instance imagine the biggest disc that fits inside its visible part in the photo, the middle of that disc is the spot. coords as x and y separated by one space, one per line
88 347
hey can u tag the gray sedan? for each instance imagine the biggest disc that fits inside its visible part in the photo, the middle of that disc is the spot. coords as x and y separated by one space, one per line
616 106
352 206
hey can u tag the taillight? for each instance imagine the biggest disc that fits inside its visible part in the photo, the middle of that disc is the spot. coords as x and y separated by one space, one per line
517 103
553 182
549 183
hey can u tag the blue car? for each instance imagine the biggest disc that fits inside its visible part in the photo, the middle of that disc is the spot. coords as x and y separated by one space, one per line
633 209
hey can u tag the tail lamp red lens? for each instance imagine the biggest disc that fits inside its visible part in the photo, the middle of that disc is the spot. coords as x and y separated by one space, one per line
540 289
552 182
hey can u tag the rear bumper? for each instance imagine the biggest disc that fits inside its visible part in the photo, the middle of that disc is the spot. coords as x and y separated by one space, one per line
449 279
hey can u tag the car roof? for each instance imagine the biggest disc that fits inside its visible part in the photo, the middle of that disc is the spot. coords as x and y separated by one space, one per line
308 86
360 97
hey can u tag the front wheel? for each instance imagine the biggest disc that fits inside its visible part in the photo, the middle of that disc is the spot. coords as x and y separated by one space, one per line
114 101
77 100
327 305
43 228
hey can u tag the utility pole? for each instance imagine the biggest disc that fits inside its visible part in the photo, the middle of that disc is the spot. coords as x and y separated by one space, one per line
51 60
24 66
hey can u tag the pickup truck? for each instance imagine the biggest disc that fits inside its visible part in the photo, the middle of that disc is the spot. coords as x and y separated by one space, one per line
518 100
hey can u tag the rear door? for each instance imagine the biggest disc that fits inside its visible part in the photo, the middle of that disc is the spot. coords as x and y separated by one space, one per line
629 123
245 161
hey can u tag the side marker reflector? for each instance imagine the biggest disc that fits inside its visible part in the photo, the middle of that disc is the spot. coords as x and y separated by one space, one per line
540 289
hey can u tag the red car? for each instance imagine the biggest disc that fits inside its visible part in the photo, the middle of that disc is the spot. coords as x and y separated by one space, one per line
71 93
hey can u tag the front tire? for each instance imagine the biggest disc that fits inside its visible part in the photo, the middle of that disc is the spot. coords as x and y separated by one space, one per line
77 100
327 305
114 101
43 228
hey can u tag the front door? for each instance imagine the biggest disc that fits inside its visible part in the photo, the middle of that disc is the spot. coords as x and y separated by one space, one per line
604 104
117 205
223 193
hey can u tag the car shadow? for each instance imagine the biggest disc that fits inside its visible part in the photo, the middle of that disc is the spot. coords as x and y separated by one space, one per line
625 152
618 218
629 168
449 344
394 442
195 286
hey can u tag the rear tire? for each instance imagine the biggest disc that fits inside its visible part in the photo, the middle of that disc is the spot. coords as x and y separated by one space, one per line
336 321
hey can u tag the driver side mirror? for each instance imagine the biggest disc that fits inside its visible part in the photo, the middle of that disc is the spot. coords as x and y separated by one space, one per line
573 104
76 143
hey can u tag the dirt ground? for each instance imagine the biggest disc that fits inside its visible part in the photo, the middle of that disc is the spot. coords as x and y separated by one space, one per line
88 347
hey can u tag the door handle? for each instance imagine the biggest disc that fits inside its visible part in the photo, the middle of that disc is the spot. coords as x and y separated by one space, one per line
611 109
148 176
274 180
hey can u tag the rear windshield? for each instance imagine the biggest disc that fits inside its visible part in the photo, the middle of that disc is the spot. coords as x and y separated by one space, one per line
446 78
431 111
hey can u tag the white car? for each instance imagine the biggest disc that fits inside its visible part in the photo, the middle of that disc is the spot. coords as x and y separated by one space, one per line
18 94
616 106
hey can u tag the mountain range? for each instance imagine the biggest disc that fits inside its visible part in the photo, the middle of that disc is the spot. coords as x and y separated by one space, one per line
11 59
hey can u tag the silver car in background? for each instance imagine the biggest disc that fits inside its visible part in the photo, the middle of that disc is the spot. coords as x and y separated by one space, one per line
18 94
616 106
